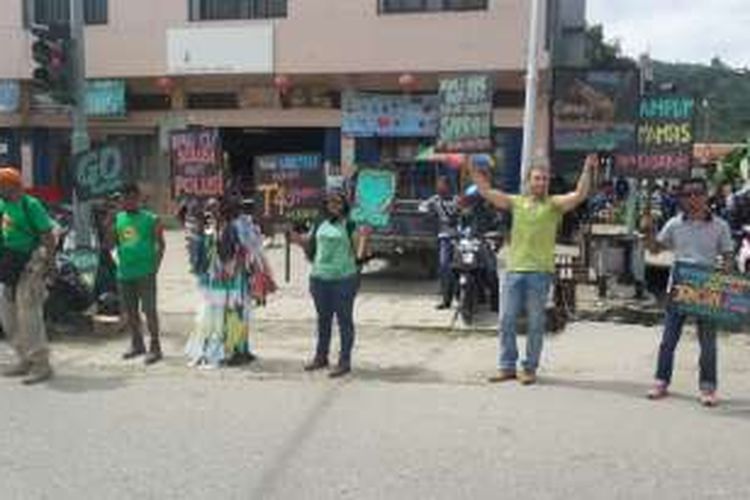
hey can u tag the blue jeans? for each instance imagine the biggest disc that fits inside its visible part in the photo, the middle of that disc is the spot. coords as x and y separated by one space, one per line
531 290
335 297
673 323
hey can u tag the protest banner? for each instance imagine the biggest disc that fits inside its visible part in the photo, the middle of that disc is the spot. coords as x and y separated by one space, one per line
196 163
375 192
290 190
377 115
702 291
98 172
664 140
374 196
289 187
465 114
594 110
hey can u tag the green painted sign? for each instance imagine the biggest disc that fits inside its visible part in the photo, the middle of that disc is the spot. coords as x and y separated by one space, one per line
99 172
374 196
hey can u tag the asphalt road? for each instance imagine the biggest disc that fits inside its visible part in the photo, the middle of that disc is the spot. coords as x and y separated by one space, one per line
224 434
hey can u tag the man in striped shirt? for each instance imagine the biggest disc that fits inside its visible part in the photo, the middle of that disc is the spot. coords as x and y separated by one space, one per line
445 206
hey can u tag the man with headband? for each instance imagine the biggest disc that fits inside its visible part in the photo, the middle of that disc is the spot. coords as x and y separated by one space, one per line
27 251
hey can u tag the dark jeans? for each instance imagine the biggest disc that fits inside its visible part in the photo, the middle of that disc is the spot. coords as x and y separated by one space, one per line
335 297
445 269
137 295
673 323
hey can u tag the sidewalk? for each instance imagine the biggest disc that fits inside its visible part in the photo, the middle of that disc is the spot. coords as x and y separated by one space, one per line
393 298
397 298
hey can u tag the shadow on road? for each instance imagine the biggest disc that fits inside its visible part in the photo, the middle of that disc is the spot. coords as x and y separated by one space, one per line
620 387
739 408
397 374
308 424
79 384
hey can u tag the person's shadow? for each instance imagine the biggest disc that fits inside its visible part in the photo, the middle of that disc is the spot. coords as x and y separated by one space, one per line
731 407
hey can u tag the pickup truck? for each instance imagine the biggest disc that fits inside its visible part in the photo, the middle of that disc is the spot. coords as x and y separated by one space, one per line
410 236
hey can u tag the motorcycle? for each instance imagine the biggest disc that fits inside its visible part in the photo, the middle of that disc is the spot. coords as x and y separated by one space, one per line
70 290
473 273
743 253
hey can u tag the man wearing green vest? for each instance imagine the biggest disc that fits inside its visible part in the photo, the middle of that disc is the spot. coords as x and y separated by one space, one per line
28 252
531 258
139 237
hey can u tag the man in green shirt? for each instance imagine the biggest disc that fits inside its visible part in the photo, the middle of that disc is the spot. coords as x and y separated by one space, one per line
531 265
27 235
139 238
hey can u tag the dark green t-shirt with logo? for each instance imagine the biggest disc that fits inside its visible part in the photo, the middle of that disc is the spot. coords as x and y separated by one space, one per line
23 222
136 244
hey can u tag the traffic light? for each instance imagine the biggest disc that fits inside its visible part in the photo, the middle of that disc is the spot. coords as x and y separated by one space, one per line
51 53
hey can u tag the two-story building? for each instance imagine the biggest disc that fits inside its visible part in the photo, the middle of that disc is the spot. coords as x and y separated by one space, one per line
270 74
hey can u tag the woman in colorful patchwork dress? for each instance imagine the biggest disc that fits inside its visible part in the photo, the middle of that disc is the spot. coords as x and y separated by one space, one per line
229 263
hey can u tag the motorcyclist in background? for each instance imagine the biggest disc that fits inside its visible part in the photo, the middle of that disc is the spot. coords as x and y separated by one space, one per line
444 205
477 214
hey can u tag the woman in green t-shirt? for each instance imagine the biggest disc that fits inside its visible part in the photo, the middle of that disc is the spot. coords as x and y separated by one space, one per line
333 247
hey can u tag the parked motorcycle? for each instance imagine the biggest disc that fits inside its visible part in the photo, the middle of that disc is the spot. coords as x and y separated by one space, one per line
475 275
71 287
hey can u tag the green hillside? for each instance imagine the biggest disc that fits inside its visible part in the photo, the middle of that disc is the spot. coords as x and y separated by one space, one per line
723 94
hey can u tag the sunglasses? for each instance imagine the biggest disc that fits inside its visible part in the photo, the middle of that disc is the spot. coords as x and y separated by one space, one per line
696 193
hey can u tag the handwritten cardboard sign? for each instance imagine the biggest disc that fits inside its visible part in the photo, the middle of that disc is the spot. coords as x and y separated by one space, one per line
664 140
594 110
701 291
374 196
465 114
289 187
196 163
99 172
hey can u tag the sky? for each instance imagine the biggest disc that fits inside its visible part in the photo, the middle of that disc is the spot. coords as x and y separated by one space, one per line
677 30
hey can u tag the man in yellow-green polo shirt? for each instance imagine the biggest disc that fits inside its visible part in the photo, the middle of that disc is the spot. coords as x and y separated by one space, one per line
531 265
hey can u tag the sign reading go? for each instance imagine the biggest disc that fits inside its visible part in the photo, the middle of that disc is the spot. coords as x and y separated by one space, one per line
99 172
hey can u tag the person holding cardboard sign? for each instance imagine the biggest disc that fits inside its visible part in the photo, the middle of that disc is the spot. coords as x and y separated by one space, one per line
536 217
695 236
335 249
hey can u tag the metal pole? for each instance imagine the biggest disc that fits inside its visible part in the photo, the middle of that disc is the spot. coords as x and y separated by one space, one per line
80 136
529 121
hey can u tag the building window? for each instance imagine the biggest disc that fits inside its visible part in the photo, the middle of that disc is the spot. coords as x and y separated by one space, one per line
58 11
148 102
211 10
401 6
213 100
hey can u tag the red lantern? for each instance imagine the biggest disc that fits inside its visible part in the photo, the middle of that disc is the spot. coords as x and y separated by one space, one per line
282 83
165 84
407 82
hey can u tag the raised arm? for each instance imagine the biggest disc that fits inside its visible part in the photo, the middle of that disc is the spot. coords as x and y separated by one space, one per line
496 197
569 201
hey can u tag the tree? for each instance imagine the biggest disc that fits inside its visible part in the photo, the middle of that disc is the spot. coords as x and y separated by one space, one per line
601 53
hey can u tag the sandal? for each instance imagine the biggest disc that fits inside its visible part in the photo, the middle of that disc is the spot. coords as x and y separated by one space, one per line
658 391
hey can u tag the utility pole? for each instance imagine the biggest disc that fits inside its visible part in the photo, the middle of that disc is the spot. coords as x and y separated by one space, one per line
80 135
529 120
